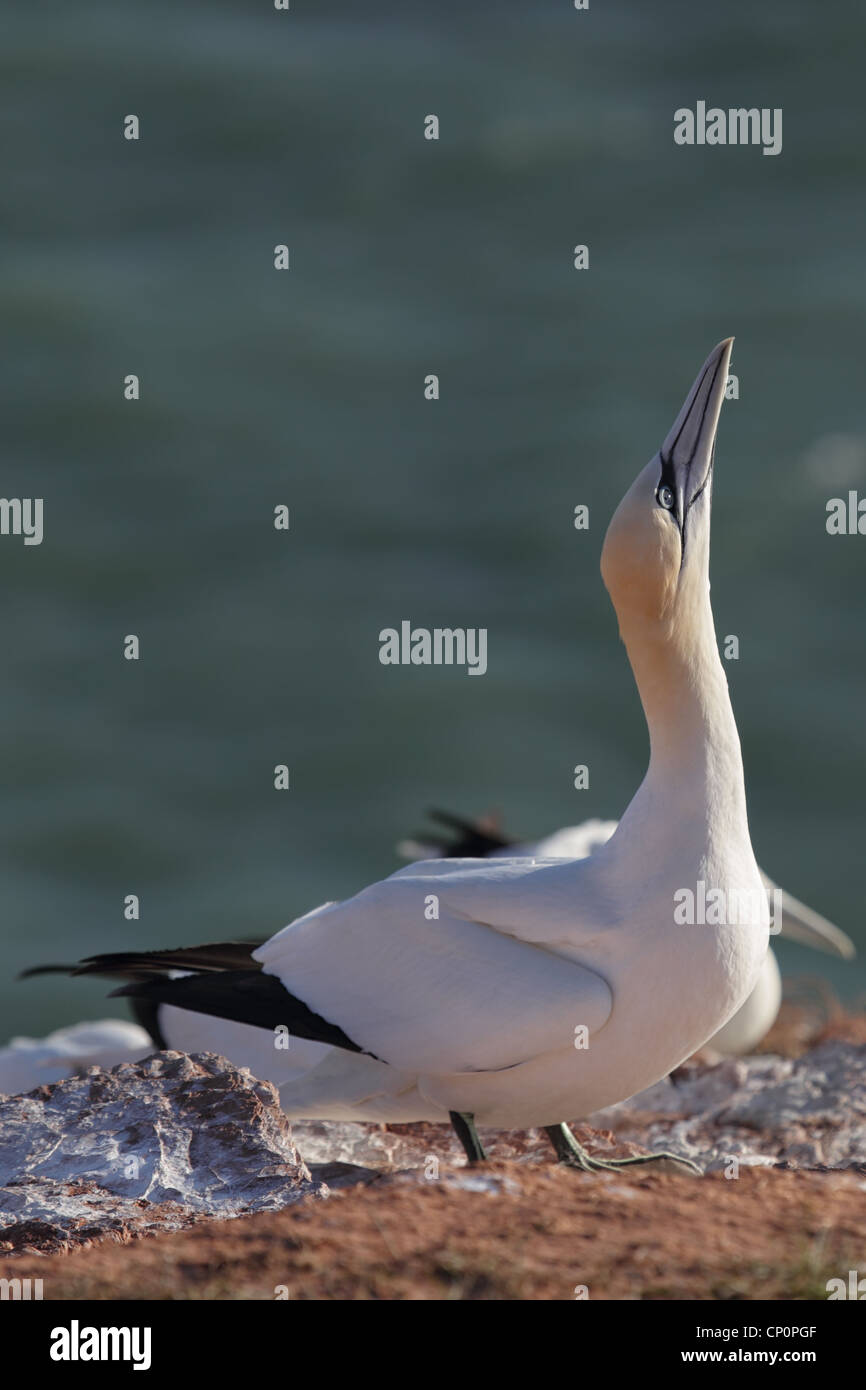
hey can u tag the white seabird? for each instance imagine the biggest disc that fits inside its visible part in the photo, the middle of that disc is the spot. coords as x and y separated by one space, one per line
466 988
29 1062
754 1018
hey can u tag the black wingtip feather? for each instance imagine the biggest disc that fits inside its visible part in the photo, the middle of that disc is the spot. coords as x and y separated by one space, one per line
244 997
68 969
142 965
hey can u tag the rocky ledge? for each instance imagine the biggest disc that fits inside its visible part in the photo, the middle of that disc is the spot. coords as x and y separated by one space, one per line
173 1140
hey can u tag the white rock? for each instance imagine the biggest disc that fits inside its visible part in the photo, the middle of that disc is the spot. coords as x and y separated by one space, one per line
146 1145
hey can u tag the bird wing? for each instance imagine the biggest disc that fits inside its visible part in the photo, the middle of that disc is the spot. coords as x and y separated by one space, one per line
446 966
805 925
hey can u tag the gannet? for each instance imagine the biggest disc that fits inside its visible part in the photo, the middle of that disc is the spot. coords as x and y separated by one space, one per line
515 992
753 1020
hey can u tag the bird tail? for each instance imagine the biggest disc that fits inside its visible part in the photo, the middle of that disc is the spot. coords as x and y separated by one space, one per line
145 965
467 839
221 979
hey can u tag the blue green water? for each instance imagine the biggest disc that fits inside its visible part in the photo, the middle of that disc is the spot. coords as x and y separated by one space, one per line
306 388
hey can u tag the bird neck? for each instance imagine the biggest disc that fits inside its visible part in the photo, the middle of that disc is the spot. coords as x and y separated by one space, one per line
695 758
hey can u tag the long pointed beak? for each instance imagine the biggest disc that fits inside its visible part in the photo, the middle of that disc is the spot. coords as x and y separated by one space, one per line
802 924
687 453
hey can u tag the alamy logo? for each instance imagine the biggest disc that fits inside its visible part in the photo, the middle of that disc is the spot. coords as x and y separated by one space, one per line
443 646
856 1287
713 907
76 1343
739 125
846 519
20 1289
22 516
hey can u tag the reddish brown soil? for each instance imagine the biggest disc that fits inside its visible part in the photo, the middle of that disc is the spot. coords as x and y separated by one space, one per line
769 1234
811 1016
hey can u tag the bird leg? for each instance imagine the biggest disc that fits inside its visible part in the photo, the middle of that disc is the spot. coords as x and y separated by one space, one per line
575 1155
464 1128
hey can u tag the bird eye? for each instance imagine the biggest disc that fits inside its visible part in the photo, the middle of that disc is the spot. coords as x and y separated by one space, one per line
665 497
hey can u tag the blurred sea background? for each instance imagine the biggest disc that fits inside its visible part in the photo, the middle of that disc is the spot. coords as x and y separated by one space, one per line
408 257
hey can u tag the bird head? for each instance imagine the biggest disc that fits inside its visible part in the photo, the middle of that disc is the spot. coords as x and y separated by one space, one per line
655 558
